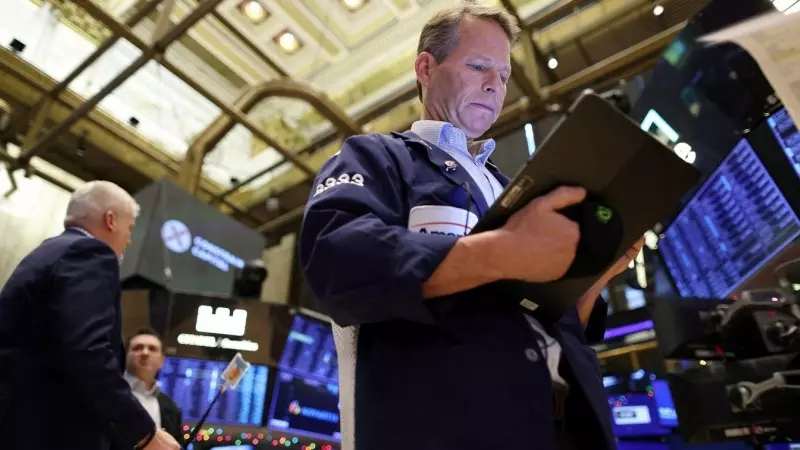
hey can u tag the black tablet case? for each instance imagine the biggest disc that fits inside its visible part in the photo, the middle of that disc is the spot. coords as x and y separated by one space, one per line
597 147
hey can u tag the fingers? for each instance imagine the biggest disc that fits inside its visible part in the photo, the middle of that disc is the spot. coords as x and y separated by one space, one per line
561 198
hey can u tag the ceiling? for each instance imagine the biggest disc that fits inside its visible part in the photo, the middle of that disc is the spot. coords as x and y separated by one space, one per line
353 59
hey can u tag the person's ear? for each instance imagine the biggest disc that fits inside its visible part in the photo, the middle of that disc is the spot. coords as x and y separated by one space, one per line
424 67
110 220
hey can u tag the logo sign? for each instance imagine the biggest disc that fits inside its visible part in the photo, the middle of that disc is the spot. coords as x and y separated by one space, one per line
176 236
221 321
603 214
202 340
178 239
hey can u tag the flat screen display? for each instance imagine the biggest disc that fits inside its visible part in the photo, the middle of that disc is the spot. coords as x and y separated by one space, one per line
310 350
635 415
306 406
788 137
736 222
193 383
183 244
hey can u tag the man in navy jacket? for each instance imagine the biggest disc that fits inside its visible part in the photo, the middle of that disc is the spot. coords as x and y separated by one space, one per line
431 355
61 349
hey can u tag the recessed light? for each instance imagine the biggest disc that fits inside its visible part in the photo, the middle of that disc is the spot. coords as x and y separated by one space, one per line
253 10
658 10
353 5
288 42
552 63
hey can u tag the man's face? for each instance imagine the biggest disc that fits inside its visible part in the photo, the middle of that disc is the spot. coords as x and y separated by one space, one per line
468 87
145 356
119 226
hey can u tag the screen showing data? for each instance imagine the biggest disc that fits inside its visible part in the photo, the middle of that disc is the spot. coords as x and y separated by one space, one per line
786 134
193 383
305 405
310 350
735 223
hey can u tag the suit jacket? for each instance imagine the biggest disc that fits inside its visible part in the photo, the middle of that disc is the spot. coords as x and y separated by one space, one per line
171 417
61 351
452 372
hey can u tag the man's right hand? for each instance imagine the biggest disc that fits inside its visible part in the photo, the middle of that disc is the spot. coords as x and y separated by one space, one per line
162 441
539 243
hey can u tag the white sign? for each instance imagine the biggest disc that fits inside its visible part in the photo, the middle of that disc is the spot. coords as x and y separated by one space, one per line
773 41
631 415
221 321
200 340
444 220
178 239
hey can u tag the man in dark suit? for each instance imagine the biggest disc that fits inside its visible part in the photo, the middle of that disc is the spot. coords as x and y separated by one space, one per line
145 359
61 350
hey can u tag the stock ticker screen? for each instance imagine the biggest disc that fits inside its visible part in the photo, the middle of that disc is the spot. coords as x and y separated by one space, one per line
193 383
787 136
305 405
310 350
734 224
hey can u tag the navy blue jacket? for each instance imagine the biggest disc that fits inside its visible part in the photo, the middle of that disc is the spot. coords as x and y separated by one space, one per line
61 352
462 371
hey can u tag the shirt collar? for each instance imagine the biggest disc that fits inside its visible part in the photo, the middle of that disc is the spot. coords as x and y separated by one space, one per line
139 386
81 231
443 134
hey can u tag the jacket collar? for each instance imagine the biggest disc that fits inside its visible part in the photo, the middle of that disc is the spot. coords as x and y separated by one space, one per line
441 159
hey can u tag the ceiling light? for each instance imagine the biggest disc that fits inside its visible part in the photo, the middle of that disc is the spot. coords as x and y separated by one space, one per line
253 10
552 63
288 42
658 10
353 5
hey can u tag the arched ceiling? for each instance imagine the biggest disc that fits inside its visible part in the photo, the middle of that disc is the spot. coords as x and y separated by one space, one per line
356 55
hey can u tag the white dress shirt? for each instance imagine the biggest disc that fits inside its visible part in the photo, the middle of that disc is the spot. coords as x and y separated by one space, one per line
453 141
147 397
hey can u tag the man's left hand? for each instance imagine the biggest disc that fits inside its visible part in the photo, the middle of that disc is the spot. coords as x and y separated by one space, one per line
625 260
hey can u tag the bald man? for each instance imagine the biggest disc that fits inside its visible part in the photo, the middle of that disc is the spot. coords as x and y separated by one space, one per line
61 350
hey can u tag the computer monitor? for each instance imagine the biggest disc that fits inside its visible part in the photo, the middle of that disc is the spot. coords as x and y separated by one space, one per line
736 222
310 350
305 405
785 132
193 383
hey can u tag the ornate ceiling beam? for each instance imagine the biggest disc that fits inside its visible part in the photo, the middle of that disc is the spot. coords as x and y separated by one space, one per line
249 43
158 49
138 12
191 170
148 53
526 76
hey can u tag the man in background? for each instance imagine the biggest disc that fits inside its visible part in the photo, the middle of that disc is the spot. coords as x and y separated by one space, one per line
61 351
145 359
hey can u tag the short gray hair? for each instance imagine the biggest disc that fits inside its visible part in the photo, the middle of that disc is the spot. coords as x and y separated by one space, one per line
92 200
440 34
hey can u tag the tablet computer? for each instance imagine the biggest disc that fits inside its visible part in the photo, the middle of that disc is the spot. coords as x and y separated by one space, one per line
601 149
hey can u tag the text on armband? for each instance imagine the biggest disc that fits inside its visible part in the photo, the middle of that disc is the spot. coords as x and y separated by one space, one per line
356 180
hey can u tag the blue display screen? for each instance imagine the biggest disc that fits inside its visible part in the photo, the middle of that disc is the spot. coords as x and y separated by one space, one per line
635 415
734 224
788 137
305 405
667 416
193 383
310 350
